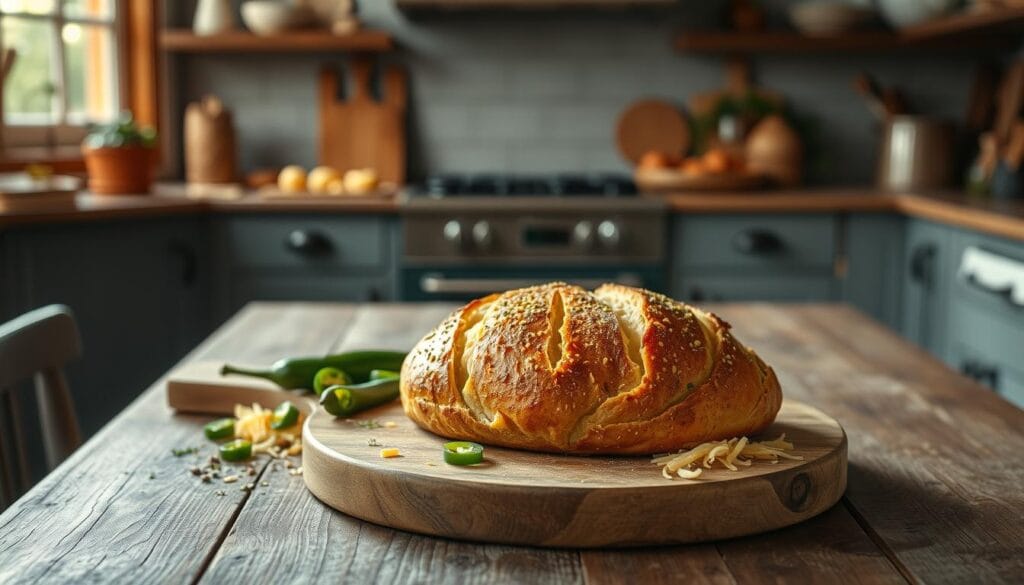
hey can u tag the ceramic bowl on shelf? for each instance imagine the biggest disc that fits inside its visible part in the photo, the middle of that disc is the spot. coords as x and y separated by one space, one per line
828 17
272 17
902 13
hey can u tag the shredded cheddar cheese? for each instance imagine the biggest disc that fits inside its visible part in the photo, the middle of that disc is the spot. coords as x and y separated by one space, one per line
736 451
253 424
389 453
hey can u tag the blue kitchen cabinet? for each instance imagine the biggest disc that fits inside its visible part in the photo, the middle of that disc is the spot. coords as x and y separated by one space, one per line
986 318
139 290
303 258
745 257
928 266
871 268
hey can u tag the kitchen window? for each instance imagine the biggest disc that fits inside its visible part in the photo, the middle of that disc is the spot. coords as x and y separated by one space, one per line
66 70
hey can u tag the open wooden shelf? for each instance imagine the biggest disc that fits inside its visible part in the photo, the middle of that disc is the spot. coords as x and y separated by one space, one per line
967 30
185 41
863 42
784 42
971 22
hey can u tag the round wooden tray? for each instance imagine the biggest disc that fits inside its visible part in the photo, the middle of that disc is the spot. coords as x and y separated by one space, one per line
519 497
664 180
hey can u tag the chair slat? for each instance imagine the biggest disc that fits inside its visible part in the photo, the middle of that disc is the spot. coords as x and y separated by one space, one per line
24 479
7 492
61 435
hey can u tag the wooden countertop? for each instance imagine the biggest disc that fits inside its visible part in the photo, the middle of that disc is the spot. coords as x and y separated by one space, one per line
999 218
934 481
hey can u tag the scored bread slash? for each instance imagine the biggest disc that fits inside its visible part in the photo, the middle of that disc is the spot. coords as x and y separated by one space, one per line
389 453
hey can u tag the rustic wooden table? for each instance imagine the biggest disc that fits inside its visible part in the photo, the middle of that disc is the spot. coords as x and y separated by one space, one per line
935 480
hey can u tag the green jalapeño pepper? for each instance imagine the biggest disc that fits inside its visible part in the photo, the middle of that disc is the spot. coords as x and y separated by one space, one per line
383 374
237 450
463 453
330 377
299 372
220 429
348 399
285 415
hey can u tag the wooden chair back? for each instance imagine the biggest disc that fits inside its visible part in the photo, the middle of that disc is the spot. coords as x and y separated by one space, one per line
36 345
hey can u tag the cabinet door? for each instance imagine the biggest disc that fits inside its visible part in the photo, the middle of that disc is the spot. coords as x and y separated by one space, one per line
136 292
873 275
927 270
754 242
302 258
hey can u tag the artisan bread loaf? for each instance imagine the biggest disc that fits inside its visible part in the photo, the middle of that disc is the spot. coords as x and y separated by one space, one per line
557 368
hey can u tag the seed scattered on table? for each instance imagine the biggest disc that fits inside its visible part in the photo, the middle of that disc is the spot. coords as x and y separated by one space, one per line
231 479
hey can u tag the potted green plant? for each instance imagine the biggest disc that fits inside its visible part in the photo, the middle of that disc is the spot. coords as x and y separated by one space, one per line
119 157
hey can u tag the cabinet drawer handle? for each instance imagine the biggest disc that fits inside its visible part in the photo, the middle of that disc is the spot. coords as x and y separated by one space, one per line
757 242
922 264
308 243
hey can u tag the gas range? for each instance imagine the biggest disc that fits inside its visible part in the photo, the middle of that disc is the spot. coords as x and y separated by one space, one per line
506 185
464 236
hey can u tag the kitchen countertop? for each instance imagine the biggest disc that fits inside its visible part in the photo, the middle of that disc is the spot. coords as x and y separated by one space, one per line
934 479
1000 218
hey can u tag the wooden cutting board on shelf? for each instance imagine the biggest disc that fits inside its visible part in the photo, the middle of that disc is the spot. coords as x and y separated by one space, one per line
362 131
200 389
519 497
651 125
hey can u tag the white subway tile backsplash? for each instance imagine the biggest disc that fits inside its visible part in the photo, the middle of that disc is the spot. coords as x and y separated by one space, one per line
542 93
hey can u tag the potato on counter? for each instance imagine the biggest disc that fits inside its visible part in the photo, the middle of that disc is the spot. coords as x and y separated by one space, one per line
292 179
361 181
321 178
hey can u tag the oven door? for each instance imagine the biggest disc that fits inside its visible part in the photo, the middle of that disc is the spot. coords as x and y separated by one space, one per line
464 283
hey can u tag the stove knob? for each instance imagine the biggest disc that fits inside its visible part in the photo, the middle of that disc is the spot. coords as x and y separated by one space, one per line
609 234
483 236
583 235
453 234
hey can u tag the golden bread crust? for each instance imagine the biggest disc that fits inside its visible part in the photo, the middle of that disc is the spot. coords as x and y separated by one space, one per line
560 369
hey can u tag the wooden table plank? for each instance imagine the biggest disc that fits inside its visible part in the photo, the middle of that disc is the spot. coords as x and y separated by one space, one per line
285 531
935 460
123 508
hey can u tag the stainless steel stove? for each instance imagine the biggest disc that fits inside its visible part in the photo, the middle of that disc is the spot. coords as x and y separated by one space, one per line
465 236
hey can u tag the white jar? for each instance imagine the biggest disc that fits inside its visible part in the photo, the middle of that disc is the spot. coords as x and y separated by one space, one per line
213 17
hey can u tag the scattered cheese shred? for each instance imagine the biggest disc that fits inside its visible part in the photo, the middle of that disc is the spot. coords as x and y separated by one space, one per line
253 424
736 451
389 453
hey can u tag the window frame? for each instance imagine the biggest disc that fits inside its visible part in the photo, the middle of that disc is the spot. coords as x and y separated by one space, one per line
62 133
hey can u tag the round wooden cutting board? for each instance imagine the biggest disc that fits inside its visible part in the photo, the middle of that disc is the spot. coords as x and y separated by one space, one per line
519 497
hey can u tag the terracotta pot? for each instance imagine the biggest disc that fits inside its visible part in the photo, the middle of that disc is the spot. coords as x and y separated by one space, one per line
774 149
126 170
